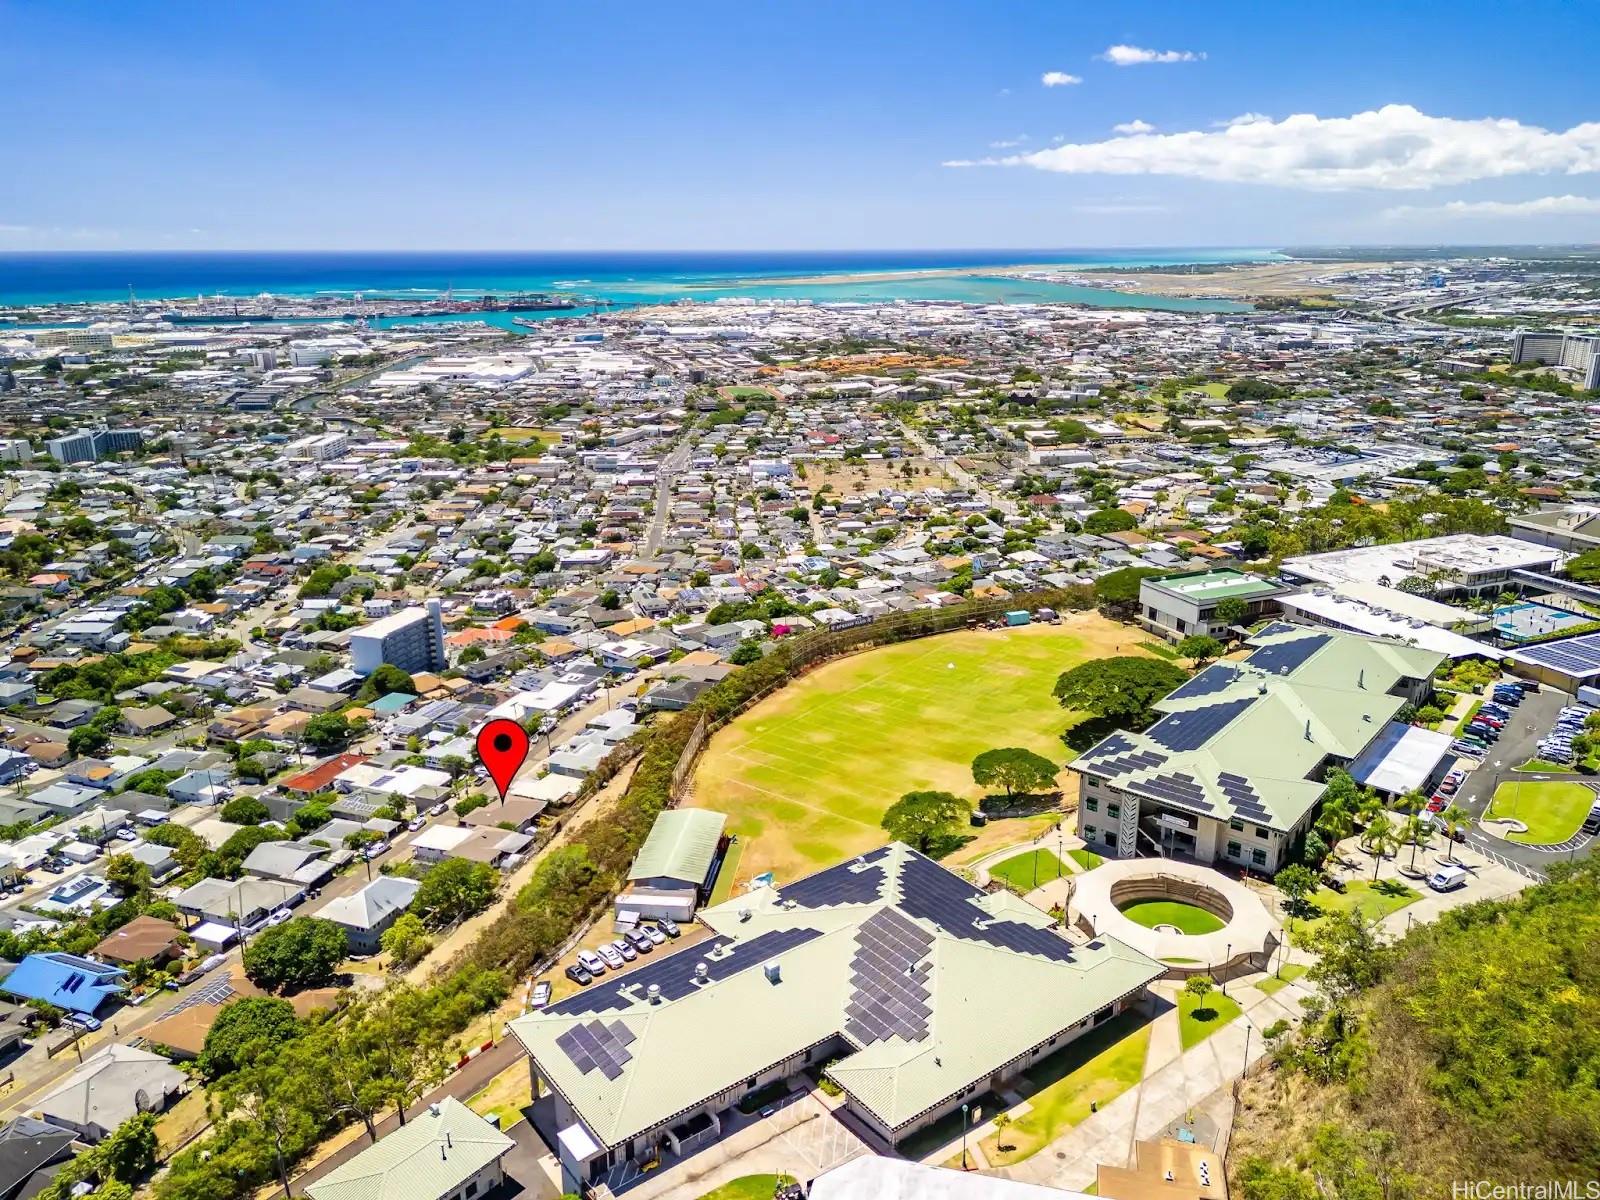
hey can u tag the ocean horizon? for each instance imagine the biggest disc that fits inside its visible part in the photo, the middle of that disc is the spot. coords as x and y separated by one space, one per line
82 276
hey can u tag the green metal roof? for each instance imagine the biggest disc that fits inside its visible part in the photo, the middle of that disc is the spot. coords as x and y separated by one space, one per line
1220 584
428 1157
987 1005
681 845
1267 724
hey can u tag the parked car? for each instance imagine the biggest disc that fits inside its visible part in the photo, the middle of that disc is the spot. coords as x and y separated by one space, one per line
639 940
126 835
374 850
610 956
592 962
540 996
657 938
416 823
438 810
621 946
669 927
279 916
83 1021
578 975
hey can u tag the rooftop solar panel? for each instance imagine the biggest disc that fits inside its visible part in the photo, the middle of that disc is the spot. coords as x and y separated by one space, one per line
1576 656
1285 658
1194 727
934 894
836 885
1215 678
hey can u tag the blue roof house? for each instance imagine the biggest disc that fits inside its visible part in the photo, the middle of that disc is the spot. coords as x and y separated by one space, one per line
76 984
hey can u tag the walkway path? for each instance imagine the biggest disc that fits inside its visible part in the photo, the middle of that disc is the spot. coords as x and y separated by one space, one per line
1177 1084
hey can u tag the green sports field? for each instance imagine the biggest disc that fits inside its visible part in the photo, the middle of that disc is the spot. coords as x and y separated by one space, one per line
806 775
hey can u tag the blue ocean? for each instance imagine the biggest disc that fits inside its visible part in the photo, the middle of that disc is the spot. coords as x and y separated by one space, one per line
629 278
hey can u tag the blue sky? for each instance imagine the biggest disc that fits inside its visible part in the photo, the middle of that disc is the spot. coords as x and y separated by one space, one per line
630 125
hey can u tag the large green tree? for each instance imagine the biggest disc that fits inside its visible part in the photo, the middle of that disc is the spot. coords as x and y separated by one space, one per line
1121 689
304 952
922 818
455 890
1014 769
244 1030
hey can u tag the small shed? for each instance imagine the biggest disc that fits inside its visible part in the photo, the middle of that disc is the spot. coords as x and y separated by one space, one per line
677 865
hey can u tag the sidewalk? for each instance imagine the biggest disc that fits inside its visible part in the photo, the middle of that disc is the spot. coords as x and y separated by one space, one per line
1177 1084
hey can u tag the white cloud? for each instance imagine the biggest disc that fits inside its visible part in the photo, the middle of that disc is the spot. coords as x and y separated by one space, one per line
1134 56
1008 143
1134 126
1058 79
1544 206
1394 148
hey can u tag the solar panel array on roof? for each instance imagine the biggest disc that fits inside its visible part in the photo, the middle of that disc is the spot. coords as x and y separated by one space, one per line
1215 678
1243 797
888 984
1145 760
1575 656
596 1045
1276 628
1194 727
675 974
931 893
847 883
1182 790
1116 743
1284 658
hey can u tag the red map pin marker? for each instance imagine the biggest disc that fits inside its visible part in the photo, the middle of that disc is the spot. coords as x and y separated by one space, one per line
502 749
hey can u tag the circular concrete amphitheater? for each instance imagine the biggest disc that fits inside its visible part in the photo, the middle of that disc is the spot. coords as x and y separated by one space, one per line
1248 936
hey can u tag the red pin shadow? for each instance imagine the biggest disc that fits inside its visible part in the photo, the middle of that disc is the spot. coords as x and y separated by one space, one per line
502 749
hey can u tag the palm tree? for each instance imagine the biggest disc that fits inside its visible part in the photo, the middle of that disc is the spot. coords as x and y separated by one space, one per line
1419 832
1455 819
1378 838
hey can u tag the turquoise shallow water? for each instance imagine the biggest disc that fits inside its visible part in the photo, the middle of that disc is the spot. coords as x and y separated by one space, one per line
631 278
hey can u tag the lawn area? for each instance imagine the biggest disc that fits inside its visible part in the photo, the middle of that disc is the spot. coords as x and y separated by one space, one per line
1190 918
1028 870
507 1094
1286 975
1372 901
1085 858
1543 766
805 775
723 888
749 1187
1199 1019
1553 810
1095 1069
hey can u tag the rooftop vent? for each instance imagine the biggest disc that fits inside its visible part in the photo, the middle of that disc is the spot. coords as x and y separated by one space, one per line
653 993
702 972
772 971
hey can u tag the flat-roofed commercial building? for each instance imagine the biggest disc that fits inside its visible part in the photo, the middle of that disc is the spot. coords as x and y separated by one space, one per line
1233 770
917 990
1460 564
1176 606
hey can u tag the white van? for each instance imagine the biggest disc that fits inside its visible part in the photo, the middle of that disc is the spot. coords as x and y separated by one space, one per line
1446 878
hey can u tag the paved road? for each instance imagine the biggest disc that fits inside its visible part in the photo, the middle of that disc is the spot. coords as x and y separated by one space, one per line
676 459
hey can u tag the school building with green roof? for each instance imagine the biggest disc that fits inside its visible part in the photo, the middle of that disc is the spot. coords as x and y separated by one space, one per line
919 990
